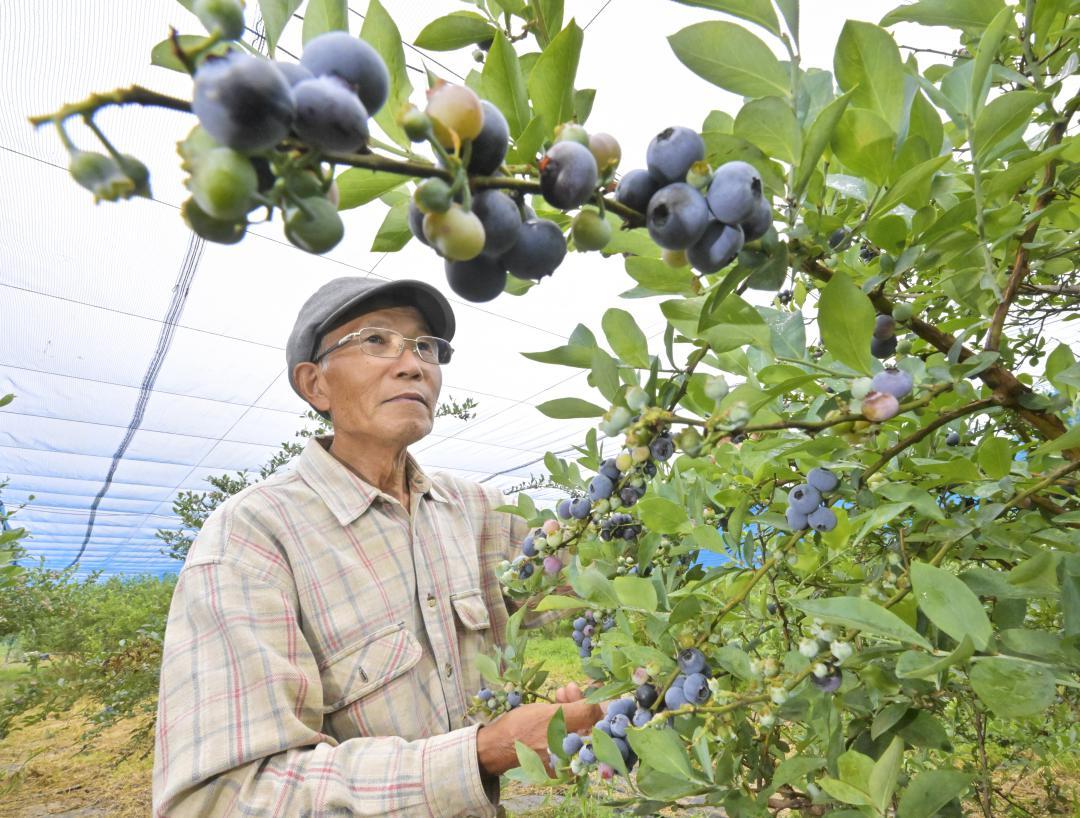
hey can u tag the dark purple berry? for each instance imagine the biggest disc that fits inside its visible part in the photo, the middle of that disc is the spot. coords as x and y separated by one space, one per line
671 153
635 190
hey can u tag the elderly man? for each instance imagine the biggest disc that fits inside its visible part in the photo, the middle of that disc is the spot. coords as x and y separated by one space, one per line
318 658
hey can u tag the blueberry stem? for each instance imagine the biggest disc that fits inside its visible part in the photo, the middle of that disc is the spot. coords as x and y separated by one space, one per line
89 120
133 95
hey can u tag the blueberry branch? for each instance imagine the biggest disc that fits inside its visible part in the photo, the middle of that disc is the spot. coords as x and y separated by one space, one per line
133 95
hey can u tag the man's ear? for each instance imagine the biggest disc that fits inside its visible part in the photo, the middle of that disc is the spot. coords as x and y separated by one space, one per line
311 384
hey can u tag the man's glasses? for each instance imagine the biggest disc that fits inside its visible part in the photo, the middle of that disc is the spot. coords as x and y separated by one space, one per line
386 343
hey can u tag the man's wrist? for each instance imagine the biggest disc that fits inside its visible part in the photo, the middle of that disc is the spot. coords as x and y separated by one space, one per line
488 751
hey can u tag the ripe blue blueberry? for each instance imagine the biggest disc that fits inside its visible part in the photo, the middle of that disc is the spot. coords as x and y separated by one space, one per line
416 223
624 706
796 520
528 548
584 652
895 382
484 694
526 571
691 660
671 153
351 59
562 510
952 438
662 448
572 743
499 215
882 348
513 698
580 623
489 146
822 519
600 487
329 117
646 695
884 327
608 623
677 216
641 718
717 247
586 755
568 175
577 636
294 73
734 192
830 682
624 750
586 643
619 723
539 249
674 698
604 726
804 498
243 101
822 479
696 688
628 496
759 223
589 629
478 279
580 508
635 190
610 470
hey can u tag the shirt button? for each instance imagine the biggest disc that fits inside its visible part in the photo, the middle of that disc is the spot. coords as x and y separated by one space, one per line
431 600
449 668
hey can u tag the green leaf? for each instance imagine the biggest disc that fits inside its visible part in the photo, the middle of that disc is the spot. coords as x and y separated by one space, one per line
1020 172
504 84
863 614
1070 600
864 143
984 59
770 124
636 592
950 604
528 142
735 662
663 750
595 587
564 408
756 11
885 774
793 770
530 769
846 319
867 63
662 515
734 323
626 338
321 16
394 232
819 137
163 56
605 374
551 83
1012 688
487 667
1003 117
606 751
855 769
844 792
569 355
660 277
995 457
381 33
556 732
558 602
1067 441
276 15
455 30
967 15
549 17
915 665
358 186
730 57
913 181
929 791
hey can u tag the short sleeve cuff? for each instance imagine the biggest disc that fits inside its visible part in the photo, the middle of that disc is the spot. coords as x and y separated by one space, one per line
453 783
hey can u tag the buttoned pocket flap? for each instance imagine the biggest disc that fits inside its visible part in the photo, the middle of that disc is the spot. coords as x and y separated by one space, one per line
471 609
368 665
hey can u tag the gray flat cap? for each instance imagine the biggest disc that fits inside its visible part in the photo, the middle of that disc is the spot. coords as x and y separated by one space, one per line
335 301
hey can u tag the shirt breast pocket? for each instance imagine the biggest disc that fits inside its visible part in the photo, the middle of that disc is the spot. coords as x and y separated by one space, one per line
473 633
376 664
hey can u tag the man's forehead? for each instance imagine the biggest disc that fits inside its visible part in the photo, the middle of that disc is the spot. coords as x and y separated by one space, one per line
405 318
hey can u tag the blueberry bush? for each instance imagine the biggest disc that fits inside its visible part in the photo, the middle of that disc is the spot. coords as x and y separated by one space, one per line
859 402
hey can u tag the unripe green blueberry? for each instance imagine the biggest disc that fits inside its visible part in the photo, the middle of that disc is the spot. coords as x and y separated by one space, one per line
902 312
739 414
137 172
303 183
615 421
808 647
637 398
675 258
314 225
455 113
640 454
699 175
225 16
624 462
590 230
903 347
209 228
572 132
605 149
861 387
456 234
223 183
767 720
415 123
554 539
99 174
689 440
716 388
841 650
779 695
433 196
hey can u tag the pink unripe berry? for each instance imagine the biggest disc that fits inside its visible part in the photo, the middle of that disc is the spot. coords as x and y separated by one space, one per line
550 526
607 772
880 406
552 565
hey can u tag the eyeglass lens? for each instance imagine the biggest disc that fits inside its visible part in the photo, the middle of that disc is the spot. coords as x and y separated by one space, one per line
386 343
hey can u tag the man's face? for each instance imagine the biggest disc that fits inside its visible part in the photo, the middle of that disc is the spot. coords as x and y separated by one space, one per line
390 399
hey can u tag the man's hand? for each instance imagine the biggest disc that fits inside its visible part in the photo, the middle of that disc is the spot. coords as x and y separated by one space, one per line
528 724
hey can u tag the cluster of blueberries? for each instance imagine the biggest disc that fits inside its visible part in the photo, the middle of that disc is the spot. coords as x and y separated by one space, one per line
689 209
691 686
248 105
806 506
499 702
584 628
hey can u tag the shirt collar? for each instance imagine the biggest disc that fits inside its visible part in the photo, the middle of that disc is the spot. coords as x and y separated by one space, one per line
346 495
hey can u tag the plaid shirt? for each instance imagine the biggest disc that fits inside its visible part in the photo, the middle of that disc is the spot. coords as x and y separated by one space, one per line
318 657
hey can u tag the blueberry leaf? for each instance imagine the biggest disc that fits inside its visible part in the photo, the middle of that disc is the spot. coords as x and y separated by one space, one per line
730 57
